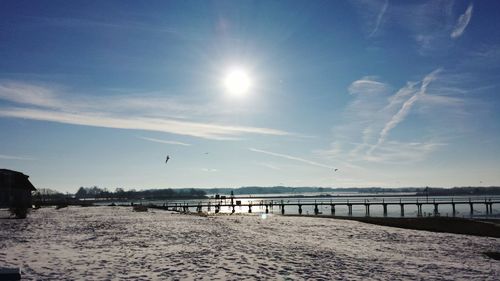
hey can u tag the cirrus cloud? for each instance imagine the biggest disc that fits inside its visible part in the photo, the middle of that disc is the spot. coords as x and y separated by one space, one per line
462 22
41 103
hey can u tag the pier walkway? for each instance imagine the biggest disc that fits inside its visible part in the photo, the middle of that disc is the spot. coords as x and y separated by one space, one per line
419 202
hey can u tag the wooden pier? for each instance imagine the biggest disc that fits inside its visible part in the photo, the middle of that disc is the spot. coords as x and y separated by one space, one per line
385 203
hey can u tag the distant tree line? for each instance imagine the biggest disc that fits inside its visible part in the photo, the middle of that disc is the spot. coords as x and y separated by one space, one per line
44 195
305 189
459 191
95 192
470 190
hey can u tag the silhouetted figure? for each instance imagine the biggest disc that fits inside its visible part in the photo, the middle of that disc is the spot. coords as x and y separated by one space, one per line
168 158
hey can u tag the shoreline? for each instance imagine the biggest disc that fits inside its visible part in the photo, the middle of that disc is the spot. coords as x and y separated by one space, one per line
475 227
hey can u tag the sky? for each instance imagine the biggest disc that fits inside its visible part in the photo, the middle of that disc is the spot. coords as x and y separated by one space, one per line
390 93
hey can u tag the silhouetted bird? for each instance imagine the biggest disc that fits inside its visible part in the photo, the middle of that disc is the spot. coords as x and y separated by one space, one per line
168 158
335 170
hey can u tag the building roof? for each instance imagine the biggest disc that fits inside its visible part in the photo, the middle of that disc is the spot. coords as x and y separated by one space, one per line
14 179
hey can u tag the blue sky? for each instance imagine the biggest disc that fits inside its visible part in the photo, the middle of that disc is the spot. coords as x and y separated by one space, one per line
392 93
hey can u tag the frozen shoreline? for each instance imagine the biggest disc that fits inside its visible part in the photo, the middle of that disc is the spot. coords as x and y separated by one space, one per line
102 243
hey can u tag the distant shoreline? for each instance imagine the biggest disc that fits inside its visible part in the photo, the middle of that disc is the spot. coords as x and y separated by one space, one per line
476 227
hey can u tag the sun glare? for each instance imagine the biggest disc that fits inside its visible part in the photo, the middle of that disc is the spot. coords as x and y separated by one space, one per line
237 82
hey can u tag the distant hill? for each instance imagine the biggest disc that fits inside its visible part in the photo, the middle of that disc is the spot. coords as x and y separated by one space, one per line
246 190
422 191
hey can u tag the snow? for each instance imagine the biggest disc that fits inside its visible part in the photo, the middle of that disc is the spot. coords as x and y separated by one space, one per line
102 243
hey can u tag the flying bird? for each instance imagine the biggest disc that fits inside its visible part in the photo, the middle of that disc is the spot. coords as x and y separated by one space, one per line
168 158
335 169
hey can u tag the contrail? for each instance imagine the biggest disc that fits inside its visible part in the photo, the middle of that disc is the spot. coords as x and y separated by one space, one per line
405 109
291 158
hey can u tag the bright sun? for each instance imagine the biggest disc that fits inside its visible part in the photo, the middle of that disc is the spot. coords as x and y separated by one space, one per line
237 82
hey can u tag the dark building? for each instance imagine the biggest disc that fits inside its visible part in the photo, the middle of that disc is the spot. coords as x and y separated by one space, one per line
15 189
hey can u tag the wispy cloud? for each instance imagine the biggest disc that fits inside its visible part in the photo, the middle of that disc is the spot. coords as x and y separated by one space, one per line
209 170
367 85
396 152
50 104
165 141
379 18
431 24
28 94
270 166
462 22
364 133
290 157
194 129
94 23
372 13
12 157
405 109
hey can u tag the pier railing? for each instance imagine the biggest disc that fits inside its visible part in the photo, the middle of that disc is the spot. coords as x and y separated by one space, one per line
217 204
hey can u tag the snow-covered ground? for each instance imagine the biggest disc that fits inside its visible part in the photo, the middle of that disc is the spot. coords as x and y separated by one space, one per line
99 243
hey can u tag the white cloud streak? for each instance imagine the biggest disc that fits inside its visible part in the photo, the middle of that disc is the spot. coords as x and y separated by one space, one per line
363 135
29 94
47 104
290 157
367 85
209 170
379 18
462 22
270 166
165 141
194 129
11 157
405 108
430 23
399 152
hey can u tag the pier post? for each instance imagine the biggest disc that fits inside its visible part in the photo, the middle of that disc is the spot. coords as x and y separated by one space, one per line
267 209
419 209
385 209
367 209
436 210
471 208
333 209
300 209
282 209
233 210
402 209
454 210
349 207
249 208
316 210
